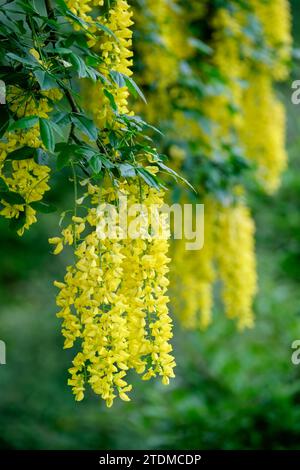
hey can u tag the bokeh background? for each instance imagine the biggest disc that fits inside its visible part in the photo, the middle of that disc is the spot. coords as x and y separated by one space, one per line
232 390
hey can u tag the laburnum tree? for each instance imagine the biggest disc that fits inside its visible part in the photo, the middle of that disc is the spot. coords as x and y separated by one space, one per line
211 126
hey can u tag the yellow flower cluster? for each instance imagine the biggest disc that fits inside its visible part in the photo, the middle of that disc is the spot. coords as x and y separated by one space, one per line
259 117
113 299
160 59
228 255
117 55
193 275
275 19
115 51
236 262
25 177
232 118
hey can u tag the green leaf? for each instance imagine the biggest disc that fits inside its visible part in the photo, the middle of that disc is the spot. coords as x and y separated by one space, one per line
66 152
106 162
41 157
95 164
175 175
43 207
118 78
12 197
61 118
79 65
56 128
63 50
44 79
24 123
23 153
133 88
85 125
47 134
106 30
16 224
26 61
62 5
111 99
150 179
4 120
3 185
86 151
127 170
63 159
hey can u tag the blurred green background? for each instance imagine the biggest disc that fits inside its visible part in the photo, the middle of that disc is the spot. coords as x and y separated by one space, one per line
232 390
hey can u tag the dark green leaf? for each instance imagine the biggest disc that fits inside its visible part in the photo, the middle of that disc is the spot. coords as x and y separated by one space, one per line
24 123
44 79
106 162
23 153
43 207
12 197
4 120
47 134
23 60
63 159
17 223
66 153
56 128
95 164
85 125
3 185
79 65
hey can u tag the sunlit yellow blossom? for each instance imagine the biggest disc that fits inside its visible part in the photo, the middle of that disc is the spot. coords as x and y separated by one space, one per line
236 260
113 299
25 177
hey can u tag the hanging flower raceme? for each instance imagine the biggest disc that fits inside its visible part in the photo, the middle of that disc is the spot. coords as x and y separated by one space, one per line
24 177
160 52
193 275
113 299
209 69
236 262
252 110
240 111
115 50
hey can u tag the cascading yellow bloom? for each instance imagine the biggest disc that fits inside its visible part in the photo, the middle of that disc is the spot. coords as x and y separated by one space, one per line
116 54
258 118
113 299
263 130
25 177
193 275
275 20
245 113
162 57
236 262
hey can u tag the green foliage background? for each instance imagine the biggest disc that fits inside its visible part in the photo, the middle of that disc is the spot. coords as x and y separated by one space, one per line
232 390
